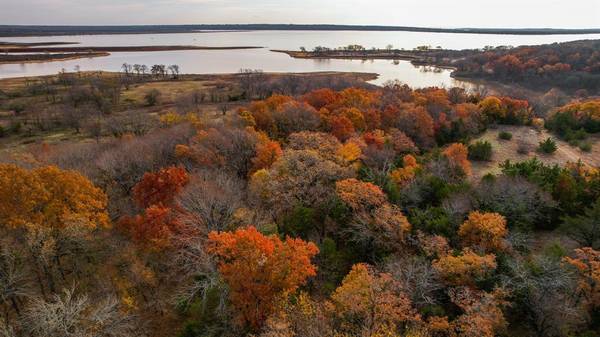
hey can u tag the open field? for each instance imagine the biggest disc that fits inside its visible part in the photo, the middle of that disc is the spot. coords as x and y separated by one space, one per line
526 136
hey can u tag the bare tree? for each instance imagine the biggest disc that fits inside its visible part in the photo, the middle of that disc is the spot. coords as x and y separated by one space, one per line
143 69
14 280
211 199
71 315
174 69
419 278
126 67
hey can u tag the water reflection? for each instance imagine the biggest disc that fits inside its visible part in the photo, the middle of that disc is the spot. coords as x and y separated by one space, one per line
230 61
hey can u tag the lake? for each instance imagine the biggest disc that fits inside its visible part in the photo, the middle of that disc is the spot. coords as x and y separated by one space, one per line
231 61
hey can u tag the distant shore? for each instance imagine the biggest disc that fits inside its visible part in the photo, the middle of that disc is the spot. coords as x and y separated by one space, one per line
42 58
22 30
11 52
120 49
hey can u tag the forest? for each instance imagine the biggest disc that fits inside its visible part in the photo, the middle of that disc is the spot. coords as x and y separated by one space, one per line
294 205
571 65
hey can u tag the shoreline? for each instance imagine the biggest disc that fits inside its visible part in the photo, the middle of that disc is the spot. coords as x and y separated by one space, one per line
367 77
37 30
122 49
45 58
416 58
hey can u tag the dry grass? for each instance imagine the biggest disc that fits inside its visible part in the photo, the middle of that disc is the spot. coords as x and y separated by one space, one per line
169 90
508 149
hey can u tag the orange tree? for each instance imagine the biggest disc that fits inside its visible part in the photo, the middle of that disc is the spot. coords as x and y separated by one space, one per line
160 187
260 269
50 198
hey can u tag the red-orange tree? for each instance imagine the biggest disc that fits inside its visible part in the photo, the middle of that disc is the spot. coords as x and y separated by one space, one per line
266 154
154 229
457 155
160 187
260 269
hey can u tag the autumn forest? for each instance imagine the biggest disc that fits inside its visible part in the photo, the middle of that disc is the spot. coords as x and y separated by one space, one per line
155 203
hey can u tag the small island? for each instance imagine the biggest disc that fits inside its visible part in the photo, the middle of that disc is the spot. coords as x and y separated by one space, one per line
38 52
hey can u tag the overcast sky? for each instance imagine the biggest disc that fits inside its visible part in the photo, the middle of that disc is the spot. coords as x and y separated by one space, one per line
424 13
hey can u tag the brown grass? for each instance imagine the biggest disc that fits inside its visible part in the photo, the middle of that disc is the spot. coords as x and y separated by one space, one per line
508 149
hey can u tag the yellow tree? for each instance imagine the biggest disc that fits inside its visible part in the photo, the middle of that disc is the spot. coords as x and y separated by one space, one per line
51 198
466 268
46 209
371 302
484 230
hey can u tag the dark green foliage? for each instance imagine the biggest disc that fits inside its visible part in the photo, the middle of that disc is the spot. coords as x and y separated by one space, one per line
535 171
585 146
15 127
555 251
457 131
334 264
17 107
576 136
480 151
433 220
562 123
584 228
547 146
572 191
504 135
3 132
300 222
205 318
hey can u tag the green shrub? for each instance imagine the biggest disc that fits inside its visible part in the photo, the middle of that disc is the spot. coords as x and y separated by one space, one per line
548 146
585 147
577 135
505 135
152 97
2 131
480 151
16 107
15 127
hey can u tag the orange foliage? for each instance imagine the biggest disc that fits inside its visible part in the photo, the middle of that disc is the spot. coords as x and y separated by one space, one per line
433 245
402 176
360 195
482 315
375 138
371 301
587 264
48 197
466 268
160 187
350 151
457 155
341 127
260 269
266 154
484 230
401 142
320 98
154 229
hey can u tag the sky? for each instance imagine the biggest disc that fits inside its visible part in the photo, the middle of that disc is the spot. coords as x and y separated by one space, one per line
421 13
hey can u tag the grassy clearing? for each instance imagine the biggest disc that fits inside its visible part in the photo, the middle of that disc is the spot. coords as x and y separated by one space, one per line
528 137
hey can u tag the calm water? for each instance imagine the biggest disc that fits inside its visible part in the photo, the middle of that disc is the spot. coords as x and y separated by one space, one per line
230 61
